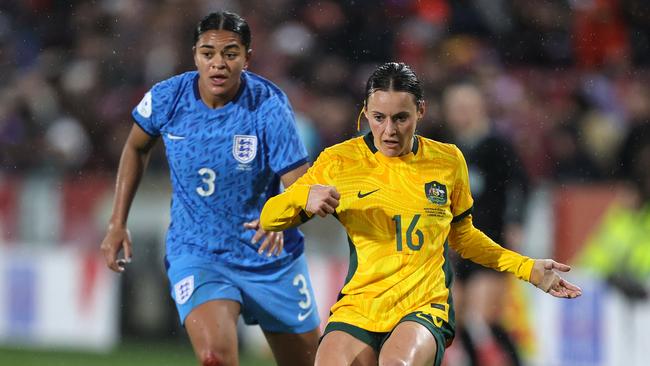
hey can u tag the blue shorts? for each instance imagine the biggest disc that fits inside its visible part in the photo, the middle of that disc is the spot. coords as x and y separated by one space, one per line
279 300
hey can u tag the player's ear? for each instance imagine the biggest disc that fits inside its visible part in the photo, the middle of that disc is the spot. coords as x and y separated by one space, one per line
194 56
421 109
249 54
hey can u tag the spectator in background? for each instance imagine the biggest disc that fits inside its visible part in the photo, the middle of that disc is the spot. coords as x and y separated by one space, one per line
619 250
230 138
499 186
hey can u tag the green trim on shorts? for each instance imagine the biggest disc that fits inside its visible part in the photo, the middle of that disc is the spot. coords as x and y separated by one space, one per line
373 339
443 335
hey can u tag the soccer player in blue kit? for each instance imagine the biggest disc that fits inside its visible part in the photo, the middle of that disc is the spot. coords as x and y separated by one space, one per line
230 139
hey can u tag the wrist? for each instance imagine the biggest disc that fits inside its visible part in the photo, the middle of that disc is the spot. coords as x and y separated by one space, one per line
116 224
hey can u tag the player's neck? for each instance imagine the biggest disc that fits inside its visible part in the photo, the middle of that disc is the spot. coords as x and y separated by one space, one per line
218 101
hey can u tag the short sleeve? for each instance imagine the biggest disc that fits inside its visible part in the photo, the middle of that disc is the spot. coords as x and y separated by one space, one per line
153 110
461 196
285 149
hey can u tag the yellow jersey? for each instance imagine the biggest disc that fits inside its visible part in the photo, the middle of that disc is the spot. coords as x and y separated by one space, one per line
401 214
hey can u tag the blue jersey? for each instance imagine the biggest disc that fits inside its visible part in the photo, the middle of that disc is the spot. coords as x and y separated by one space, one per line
224 164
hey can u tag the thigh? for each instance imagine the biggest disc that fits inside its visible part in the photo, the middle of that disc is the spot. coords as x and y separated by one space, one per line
341 348
196 280
212 328
294 348
280 300
410 343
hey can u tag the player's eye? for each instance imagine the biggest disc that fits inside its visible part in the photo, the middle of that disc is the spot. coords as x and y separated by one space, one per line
207 55
378 117
231 55
401 118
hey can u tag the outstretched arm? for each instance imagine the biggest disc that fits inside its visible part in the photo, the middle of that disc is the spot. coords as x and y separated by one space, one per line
545 277
133 162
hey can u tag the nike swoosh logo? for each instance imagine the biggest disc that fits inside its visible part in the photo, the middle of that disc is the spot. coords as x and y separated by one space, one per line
302 317
361 195
174 137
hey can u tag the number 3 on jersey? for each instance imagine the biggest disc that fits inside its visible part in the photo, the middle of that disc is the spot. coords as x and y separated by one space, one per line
207 177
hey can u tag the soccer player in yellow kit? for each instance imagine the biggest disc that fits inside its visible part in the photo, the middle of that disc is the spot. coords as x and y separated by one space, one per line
403 200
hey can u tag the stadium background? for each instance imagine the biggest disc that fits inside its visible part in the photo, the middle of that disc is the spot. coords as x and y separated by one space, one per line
566 81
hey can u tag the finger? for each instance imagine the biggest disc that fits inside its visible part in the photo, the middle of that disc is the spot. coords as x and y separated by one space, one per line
280 245
570 286
110 257
560 266
328 208
273 243
265 244
252 224
257 236
335 194
557 293
332 202
126 244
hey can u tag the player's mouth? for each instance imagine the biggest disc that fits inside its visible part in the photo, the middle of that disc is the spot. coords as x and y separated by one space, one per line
391 144
218 80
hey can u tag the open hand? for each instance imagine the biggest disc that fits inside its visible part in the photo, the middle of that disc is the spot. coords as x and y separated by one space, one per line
548 280
273 241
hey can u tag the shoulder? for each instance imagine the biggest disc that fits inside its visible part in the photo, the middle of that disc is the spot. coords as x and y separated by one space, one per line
262 91
175 84
352 149
436 149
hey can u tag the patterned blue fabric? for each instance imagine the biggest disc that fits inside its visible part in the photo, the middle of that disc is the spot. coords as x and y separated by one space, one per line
279 300
224 164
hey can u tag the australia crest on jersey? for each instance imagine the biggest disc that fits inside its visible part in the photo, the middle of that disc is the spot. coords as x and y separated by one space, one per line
244 148
436 192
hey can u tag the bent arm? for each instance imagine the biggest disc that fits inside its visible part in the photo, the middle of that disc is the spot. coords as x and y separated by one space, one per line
292 176
471 243
286 210
134 159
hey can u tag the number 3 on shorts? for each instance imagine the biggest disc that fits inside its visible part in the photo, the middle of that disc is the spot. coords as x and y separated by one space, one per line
300 282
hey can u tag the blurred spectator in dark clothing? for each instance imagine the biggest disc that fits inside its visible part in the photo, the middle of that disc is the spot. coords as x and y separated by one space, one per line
499 186
637 16
570 162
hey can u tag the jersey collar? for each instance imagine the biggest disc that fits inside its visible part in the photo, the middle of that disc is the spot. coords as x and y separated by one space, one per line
242 86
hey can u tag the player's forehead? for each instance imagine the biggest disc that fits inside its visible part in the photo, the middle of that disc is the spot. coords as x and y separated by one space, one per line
219 39
391 102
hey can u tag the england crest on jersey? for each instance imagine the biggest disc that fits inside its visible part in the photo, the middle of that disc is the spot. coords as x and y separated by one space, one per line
244 148
183 289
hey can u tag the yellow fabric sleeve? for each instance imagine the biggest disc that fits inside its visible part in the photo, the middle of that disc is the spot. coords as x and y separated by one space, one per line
287 209
471 243
461 196
284 210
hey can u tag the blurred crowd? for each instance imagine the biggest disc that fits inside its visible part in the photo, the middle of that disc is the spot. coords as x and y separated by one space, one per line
566 81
